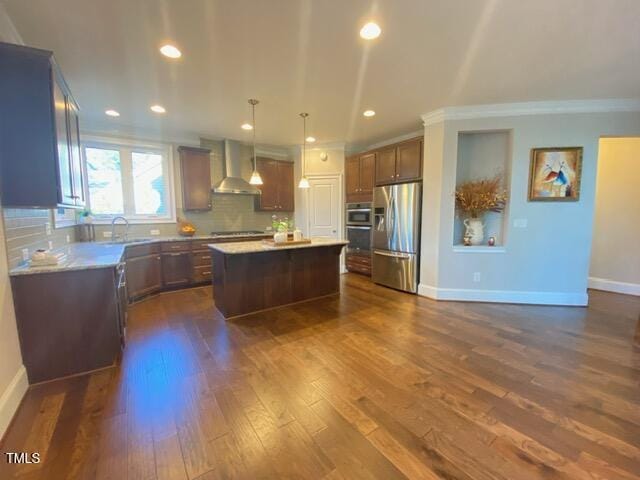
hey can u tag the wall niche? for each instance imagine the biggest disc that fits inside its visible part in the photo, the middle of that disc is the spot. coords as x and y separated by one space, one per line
483 154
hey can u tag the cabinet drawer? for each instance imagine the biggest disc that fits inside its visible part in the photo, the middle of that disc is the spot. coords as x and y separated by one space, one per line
359 264
202 259
142 250
359 260
355 267
202 274
200 244
176 246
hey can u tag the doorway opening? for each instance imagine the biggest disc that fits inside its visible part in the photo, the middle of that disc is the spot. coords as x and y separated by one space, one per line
615 256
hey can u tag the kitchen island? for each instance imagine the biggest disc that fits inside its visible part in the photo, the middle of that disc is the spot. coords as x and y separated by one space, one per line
252 276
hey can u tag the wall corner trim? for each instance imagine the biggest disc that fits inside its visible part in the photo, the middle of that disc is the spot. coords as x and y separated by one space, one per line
573 299
11 398
531 108
614 286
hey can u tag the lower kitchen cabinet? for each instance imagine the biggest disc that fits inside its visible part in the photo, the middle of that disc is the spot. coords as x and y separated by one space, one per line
144 275
358 263
69 322
202 271
176 269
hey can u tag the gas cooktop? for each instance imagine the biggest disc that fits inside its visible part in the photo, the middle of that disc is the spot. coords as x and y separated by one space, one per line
241 233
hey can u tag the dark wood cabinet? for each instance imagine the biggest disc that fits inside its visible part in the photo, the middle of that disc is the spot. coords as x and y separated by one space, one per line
409 161
268 170
399 163
386 166
176 269
277 186
195 169
75 156
286 191
359 263
68 322
144 275
351 177
201 262
40 158
359 177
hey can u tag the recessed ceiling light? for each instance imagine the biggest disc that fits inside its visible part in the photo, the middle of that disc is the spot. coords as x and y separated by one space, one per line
368 113
370 31
311 139
112 113
158 109
170 51
246 126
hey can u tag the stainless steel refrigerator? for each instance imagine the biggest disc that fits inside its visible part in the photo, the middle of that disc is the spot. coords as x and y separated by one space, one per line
396 235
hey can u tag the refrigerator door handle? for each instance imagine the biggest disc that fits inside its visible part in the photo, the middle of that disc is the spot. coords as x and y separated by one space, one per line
403 256
390 218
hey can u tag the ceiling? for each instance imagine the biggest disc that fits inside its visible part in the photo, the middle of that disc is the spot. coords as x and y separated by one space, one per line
305 55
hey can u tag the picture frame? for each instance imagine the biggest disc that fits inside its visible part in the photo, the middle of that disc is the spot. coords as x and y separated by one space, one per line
554 174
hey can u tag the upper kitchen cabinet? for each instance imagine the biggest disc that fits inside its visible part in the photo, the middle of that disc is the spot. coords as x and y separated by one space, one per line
399 163
277 186
40 155
360 177
195 168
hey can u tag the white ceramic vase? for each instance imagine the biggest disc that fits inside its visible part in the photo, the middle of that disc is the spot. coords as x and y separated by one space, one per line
280 237
474 230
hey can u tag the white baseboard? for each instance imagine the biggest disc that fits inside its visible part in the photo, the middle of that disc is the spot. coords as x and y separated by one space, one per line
504 296
613 286
11 398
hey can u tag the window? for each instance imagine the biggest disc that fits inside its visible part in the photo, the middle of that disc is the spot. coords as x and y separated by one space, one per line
130 180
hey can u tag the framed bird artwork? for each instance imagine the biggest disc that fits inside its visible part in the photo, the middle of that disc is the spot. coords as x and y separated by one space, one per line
555 174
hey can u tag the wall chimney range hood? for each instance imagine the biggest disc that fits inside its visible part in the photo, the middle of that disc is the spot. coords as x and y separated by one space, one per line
232 181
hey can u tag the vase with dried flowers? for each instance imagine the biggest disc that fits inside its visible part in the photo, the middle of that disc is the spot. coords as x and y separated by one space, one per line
476 197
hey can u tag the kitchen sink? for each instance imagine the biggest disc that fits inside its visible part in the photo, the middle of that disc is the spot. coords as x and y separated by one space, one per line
129 240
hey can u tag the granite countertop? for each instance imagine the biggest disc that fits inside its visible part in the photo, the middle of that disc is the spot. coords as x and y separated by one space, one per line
89 255
260 246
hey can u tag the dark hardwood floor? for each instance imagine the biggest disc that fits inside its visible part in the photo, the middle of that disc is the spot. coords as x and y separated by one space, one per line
371 384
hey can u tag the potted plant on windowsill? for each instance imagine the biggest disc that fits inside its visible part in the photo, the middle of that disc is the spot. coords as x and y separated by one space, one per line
85 217
476 197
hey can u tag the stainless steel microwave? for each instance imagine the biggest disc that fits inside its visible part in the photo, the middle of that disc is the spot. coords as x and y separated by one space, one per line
359 214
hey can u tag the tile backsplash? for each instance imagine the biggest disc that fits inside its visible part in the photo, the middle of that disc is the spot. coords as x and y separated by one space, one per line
228 213
28 228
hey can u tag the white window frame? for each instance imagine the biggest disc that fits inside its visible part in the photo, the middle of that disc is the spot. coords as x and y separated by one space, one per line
130 145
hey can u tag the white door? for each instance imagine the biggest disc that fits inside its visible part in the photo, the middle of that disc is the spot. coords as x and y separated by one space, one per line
324 207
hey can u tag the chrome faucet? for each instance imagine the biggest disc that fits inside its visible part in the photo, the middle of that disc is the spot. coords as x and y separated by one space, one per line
113 228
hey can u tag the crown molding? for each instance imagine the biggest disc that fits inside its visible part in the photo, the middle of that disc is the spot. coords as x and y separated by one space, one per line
531 108
398 139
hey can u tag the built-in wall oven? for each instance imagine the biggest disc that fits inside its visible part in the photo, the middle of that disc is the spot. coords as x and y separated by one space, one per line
359 228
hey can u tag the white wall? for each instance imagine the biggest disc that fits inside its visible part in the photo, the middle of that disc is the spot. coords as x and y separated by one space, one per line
546 262
615 257
13 377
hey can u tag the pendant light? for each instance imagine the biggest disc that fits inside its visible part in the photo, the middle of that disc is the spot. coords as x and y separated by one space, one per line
304 183
256 179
